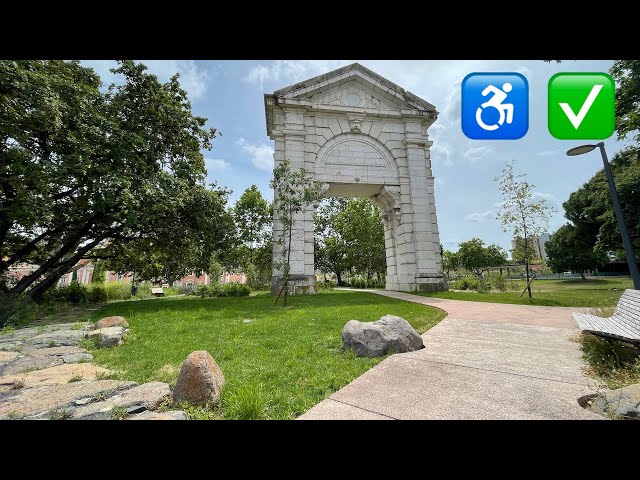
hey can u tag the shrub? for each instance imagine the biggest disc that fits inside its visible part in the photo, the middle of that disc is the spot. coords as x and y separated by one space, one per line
375 283
16 310
186 290
500 282
226 290
97 294
118 291
74 294
328 285
484 285
144 290
466 283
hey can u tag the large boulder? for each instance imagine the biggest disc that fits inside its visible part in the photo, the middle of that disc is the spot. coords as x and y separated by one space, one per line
114 321
374 339
200 380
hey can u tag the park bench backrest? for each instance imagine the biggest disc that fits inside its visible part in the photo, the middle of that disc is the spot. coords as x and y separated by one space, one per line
628 308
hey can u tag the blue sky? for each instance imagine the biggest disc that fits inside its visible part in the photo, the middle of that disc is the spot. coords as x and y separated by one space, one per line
230 94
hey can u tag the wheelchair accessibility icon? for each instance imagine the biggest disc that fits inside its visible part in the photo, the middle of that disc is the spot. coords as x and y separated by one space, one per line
495 106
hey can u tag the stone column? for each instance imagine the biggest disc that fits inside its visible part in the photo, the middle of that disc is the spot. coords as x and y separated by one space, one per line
290 145
428 273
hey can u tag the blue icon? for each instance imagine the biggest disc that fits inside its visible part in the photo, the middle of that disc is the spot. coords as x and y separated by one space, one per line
495 106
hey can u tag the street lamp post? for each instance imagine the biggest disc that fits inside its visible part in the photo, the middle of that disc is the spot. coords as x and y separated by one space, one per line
626 239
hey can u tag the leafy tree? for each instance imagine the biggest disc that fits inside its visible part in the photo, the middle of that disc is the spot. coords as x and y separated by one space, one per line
568 250
475 257
626 73
99 272
252 214
349 236
591 211
82 168
450 261
519 213
293 191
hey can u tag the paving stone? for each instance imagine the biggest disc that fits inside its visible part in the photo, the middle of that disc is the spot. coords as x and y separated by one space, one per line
171 415
77 357
28 363
622 402
43 398
60 374
6 357
59 337
148 395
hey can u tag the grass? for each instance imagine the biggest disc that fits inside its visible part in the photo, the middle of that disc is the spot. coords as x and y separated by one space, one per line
75 378
118 413
615 363
278 366
600 292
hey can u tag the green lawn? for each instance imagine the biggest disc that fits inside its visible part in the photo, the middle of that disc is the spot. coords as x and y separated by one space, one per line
278 366
568 293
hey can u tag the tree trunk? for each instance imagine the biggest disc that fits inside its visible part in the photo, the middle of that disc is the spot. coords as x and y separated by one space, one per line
582 276
339 279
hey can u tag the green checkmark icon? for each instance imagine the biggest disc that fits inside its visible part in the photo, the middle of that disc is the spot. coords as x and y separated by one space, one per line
581 106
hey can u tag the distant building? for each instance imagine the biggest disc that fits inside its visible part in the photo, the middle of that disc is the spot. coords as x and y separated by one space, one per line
538 245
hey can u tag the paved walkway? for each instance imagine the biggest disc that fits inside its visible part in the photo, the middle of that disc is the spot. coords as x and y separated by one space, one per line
484 361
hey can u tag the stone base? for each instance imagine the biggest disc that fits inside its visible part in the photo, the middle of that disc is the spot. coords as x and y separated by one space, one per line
298 285
424 283
435 282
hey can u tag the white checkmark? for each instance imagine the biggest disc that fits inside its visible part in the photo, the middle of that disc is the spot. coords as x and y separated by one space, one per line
576 120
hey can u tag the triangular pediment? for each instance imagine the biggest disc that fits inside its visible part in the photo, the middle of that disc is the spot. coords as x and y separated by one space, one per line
357 87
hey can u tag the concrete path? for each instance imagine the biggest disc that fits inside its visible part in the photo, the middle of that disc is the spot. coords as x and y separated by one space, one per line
484 361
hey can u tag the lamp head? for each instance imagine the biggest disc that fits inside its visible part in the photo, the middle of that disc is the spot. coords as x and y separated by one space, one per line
580 150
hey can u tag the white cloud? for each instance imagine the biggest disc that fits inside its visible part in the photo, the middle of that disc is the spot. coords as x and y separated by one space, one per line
216 164
290 71
549 153
261 154
475 154
480 216
440 150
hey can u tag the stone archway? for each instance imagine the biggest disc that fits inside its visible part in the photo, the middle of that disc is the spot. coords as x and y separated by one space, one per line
363 136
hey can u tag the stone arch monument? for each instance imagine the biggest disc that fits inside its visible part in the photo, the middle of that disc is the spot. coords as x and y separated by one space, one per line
363 136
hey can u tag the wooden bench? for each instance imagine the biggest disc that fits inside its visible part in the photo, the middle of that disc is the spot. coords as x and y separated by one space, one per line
157 291
623 325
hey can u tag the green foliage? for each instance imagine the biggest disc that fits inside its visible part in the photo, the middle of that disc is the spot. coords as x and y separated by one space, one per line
615 362
99 272
360 282
118 291
115 172
450 261
466 283
73 294
297 357
97 293
626 73
16 310
591 211
349 236
252 216
232 289
499 282
567 250
475 257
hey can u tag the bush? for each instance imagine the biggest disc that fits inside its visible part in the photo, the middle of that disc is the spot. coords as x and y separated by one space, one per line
466 283
500 282
16 310
484 285
74 294
97 294
328 285
186 290
118 291
226 290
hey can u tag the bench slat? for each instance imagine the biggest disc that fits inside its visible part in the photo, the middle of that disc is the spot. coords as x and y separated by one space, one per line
605 325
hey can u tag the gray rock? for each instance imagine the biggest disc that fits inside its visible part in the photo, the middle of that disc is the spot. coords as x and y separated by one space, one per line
390 334
148 396
622 402
11 346
29 363
115 321
77 358
108 337
171 415
83 401
59 337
